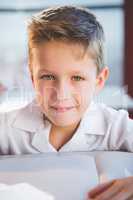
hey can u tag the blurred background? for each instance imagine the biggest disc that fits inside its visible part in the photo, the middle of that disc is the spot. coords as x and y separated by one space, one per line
115 16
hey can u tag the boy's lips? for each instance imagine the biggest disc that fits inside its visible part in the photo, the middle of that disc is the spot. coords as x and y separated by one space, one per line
63 109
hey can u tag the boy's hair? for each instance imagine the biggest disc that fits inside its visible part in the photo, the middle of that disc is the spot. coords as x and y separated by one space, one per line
68 24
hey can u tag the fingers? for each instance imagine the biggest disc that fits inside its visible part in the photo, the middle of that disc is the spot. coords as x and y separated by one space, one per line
100 188
120 189
124 195
109 193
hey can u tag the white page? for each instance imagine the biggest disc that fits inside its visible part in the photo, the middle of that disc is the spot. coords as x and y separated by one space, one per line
111 165
22 191
63 176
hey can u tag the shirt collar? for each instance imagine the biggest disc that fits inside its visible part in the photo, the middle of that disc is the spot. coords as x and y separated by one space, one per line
30 118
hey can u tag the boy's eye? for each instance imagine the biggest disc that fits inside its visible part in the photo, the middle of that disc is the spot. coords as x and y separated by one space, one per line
48 77
77 78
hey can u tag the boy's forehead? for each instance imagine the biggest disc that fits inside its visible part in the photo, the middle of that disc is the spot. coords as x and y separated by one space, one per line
52 56
52 48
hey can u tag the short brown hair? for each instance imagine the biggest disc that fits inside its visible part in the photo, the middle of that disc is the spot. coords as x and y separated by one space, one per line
68 24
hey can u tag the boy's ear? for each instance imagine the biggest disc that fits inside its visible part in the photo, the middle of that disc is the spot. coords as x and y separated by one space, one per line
101 78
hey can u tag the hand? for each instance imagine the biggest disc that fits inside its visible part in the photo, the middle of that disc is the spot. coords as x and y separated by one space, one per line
119 189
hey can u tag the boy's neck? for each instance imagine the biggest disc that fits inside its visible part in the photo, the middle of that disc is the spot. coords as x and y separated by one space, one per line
59 136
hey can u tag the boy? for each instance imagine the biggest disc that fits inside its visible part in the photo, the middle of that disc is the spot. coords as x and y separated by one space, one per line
66 60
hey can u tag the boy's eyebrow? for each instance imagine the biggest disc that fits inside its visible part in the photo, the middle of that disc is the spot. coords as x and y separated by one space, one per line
42 70
73 71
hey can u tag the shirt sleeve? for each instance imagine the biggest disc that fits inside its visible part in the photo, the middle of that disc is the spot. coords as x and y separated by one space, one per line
121 137
128 138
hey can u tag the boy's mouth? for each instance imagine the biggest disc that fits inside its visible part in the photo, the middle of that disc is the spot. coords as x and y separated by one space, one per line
62 109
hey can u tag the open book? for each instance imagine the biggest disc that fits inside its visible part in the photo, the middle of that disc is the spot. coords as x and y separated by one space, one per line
63 176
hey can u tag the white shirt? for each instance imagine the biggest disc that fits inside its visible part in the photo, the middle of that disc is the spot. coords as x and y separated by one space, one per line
102 128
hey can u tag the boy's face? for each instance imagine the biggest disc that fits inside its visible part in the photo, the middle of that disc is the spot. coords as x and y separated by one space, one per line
64 81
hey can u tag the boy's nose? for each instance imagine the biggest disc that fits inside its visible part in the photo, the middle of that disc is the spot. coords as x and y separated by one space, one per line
63 91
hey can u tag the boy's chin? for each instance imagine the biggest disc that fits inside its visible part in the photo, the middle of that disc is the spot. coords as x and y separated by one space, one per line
63 119
64 122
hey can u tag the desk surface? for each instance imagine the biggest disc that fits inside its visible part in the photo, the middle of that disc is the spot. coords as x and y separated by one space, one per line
69 174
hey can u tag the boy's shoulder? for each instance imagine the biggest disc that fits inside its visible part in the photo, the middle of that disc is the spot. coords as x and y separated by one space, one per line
111 111
100 118
110 114
105 110
28 111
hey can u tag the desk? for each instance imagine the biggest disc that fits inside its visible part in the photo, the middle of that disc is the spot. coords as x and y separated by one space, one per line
67 175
